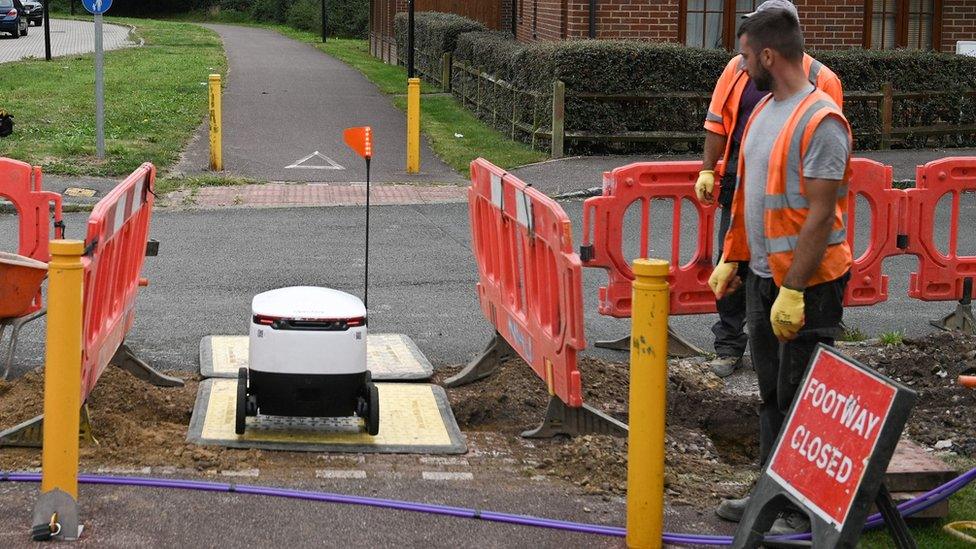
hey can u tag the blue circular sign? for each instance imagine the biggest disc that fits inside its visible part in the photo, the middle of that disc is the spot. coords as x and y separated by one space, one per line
97 7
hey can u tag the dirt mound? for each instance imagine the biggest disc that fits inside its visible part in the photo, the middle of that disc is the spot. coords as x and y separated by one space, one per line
931 366
136 424
711 434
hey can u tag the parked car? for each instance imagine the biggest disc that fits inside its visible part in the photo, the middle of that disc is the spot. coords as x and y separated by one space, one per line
12 18
34 11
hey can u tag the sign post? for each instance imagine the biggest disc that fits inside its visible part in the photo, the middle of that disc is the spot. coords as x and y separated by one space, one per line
832 455
97 8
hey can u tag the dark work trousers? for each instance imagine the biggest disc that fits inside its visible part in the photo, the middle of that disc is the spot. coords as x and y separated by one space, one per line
730 339
780 366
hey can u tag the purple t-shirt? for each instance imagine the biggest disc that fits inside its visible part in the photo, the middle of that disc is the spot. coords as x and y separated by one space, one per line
750 98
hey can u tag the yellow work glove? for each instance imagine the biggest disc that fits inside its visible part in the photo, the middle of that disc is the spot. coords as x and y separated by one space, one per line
722 276
787 314
705 185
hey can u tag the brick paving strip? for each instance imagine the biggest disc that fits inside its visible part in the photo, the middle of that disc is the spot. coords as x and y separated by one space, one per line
323 194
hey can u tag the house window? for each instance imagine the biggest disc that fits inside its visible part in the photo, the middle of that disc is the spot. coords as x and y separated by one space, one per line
910 24
713 23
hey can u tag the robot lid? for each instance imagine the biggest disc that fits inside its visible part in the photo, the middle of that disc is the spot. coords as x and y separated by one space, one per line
307 303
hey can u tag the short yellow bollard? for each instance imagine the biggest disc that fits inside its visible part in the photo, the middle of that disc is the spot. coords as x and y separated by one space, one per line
413 125
216 126
648 404
62 389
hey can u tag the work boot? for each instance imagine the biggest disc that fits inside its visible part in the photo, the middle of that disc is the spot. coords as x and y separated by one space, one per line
732 509
791 522
723 366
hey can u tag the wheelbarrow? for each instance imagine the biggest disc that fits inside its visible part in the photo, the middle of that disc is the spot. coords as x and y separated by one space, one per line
20 286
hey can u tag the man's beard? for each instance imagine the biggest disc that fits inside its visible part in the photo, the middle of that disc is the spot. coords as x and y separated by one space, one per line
763 80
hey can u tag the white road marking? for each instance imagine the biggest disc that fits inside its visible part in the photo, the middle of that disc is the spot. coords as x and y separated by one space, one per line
340 473
433 460
242 473
123 470
445 475
329 163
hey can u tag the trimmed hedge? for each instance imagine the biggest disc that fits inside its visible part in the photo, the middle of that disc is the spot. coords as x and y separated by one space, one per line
435 33
633 67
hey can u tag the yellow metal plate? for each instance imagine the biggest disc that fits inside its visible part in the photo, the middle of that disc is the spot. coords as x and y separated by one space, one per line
414 418
388 357
79 192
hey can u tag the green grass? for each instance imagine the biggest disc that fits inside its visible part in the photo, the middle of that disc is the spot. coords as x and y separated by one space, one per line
892 338
853 334
155 97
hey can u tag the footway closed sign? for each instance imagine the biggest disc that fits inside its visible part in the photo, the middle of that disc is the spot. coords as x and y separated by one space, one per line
831 434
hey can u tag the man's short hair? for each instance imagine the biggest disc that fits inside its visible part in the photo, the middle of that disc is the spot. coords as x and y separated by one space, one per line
775 29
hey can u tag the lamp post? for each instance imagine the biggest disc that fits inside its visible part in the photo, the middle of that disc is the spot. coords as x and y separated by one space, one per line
47 30
325 19
410 30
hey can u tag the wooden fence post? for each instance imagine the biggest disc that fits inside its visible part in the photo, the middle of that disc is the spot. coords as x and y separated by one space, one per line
558 118
446 65
887 108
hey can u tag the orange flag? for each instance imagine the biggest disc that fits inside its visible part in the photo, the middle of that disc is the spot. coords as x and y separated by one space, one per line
360 140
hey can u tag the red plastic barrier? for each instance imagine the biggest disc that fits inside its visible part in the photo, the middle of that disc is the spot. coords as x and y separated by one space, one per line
603 228
940 276
872 181
118 230
530 278
21 185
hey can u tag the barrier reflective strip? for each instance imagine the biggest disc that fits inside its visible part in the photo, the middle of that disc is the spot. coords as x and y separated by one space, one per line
788 243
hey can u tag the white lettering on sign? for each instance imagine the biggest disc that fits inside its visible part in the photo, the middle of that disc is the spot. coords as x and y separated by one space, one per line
824 456
852 416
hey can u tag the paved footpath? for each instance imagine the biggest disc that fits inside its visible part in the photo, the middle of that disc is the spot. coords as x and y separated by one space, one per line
285 106
68 37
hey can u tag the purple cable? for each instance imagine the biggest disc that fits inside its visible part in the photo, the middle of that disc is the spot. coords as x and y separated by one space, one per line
906 509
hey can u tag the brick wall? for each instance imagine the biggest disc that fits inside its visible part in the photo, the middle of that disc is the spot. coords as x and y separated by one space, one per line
958 22
832 24
657 21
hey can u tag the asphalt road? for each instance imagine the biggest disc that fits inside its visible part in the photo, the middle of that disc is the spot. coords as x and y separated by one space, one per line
285 101
422 278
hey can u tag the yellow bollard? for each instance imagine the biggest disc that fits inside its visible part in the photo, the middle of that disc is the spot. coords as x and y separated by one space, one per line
413 125
648 404
62 389
216 121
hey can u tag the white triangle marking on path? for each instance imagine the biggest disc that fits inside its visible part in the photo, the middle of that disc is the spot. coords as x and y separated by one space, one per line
330 164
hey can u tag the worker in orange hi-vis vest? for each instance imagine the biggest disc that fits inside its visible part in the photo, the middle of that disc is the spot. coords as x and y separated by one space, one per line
733 100
788 226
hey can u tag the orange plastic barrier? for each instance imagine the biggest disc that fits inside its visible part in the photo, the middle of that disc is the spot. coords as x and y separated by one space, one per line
529 276
940 275
21 185
118 230
603 228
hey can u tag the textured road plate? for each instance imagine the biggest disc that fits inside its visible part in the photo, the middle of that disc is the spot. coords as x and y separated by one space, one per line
414 418
390 357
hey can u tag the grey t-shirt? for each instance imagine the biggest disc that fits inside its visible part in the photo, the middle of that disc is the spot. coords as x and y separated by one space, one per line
826 158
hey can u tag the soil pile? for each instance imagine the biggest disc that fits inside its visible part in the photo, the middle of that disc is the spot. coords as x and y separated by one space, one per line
136 424
945 411
712 437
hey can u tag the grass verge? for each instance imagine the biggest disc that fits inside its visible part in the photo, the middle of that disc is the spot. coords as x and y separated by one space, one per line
155 98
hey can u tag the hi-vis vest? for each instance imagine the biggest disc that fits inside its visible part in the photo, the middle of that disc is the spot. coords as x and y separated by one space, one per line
723 110
786 205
